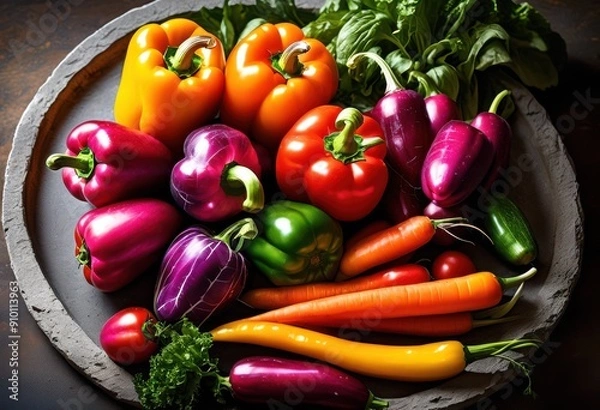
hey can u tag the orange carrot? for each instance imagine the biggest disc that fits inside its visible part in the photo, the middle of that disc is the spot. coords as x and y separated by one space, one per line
389 244
276 297
472 292
368 229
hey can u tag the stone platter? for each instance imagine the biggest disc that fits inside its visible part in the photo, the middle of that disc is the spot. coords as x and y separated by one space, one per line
39 216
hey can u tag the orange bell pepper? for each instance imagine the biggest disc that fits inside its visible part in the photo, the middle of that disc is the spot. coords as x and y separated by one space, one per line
172 81
273 76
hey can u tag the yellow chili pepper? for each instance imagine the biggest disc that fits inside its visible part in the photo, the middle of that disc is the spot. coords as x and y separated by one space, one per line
419 363
172 81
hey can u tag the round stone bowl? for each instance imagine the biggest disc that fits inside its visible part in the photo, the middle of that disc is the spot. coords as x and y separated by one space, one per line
39 216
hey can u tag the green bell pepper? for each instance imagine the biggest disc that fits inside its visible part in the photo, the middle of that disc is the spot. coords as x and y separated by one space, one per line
297 243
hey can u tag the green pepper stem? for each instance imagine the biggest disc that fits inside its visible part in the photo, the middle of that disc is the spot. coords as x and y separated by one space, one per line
288 61
239 175
391 81
423 79
376 403
83 163
183 60
513 281
476 352
83 255
347 146
497 100
236 234
347 121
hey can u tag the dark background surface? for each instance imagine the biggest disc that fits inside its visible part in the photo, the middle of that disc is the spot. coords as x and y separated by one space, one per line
32 43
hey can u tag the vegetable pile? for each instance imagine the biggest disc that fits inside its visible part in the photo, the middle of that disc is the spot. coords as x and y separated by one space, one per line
314 166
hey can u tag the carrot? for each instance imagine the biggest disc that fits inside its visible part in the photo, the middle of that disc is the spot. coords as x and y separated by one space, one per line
276 297
472 292
444 325
389 244
419 363
366 230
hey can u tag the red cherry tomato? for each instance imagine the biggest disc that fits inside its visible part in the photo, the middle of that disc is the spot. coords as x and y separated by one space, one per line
123 339
452 264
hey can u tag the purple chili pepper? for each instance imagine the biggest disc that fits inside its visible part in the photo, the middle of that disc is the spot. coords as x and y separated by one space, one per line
441 108
219 175
402 115
201 273
499 133
263 379
457 162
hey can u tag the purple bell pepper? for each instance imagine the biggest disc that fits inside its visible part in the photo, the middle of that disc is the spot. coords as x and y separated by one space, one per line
219 175
499 133
402 115
456 163
106 162
117 243
202 273
276 381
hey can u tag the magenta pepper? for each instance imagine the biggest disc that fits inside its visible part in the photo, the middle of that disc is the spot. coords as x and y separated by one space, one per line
498 131
219 175
456 163
441 108
106 162
403 117
118 242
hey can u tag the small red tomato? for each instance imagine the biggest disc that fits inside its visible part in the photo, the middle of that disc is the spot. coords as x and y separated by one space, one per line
452 264
123 338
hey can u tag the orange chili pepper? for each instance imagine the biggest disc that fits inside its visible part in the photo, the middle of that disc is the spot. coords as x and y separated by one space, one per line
273 76
172 81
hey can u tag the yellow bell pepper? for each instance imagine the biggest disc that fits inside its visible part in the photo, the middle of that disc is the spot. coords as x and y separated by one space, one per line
172 81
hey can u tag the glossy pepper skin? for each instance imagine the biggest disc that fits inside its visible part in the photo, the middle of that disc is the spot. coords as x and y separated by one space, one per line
333 158
201 273
403 117
458 160
117 243
164 95
296 243
273 76
219 175
106 162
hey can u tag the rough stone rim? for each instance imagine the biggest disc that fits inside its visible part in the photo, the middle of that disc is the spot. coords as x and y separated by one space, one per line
39 297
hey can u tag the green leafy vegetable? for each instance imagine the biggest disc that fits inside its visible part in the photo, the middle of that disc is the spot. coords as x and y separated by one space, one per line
451 42
182 370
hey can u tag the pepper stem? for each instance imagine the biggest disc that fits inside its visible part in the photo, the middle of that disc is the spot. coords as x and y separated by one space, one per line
238 179
346 145
236 234
376 403
476 352
348 120
183 60
288 63
83 255
83 163
423 79
391 81
497 100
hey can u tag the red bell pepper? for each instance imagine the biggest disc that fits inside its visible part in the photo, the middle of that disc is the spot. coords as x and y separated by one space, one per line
334 159
117 243
106 162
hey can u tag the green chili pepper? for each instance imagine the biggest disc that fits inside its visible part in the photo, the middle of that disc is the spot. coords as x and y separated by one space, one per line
510 231
297 243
